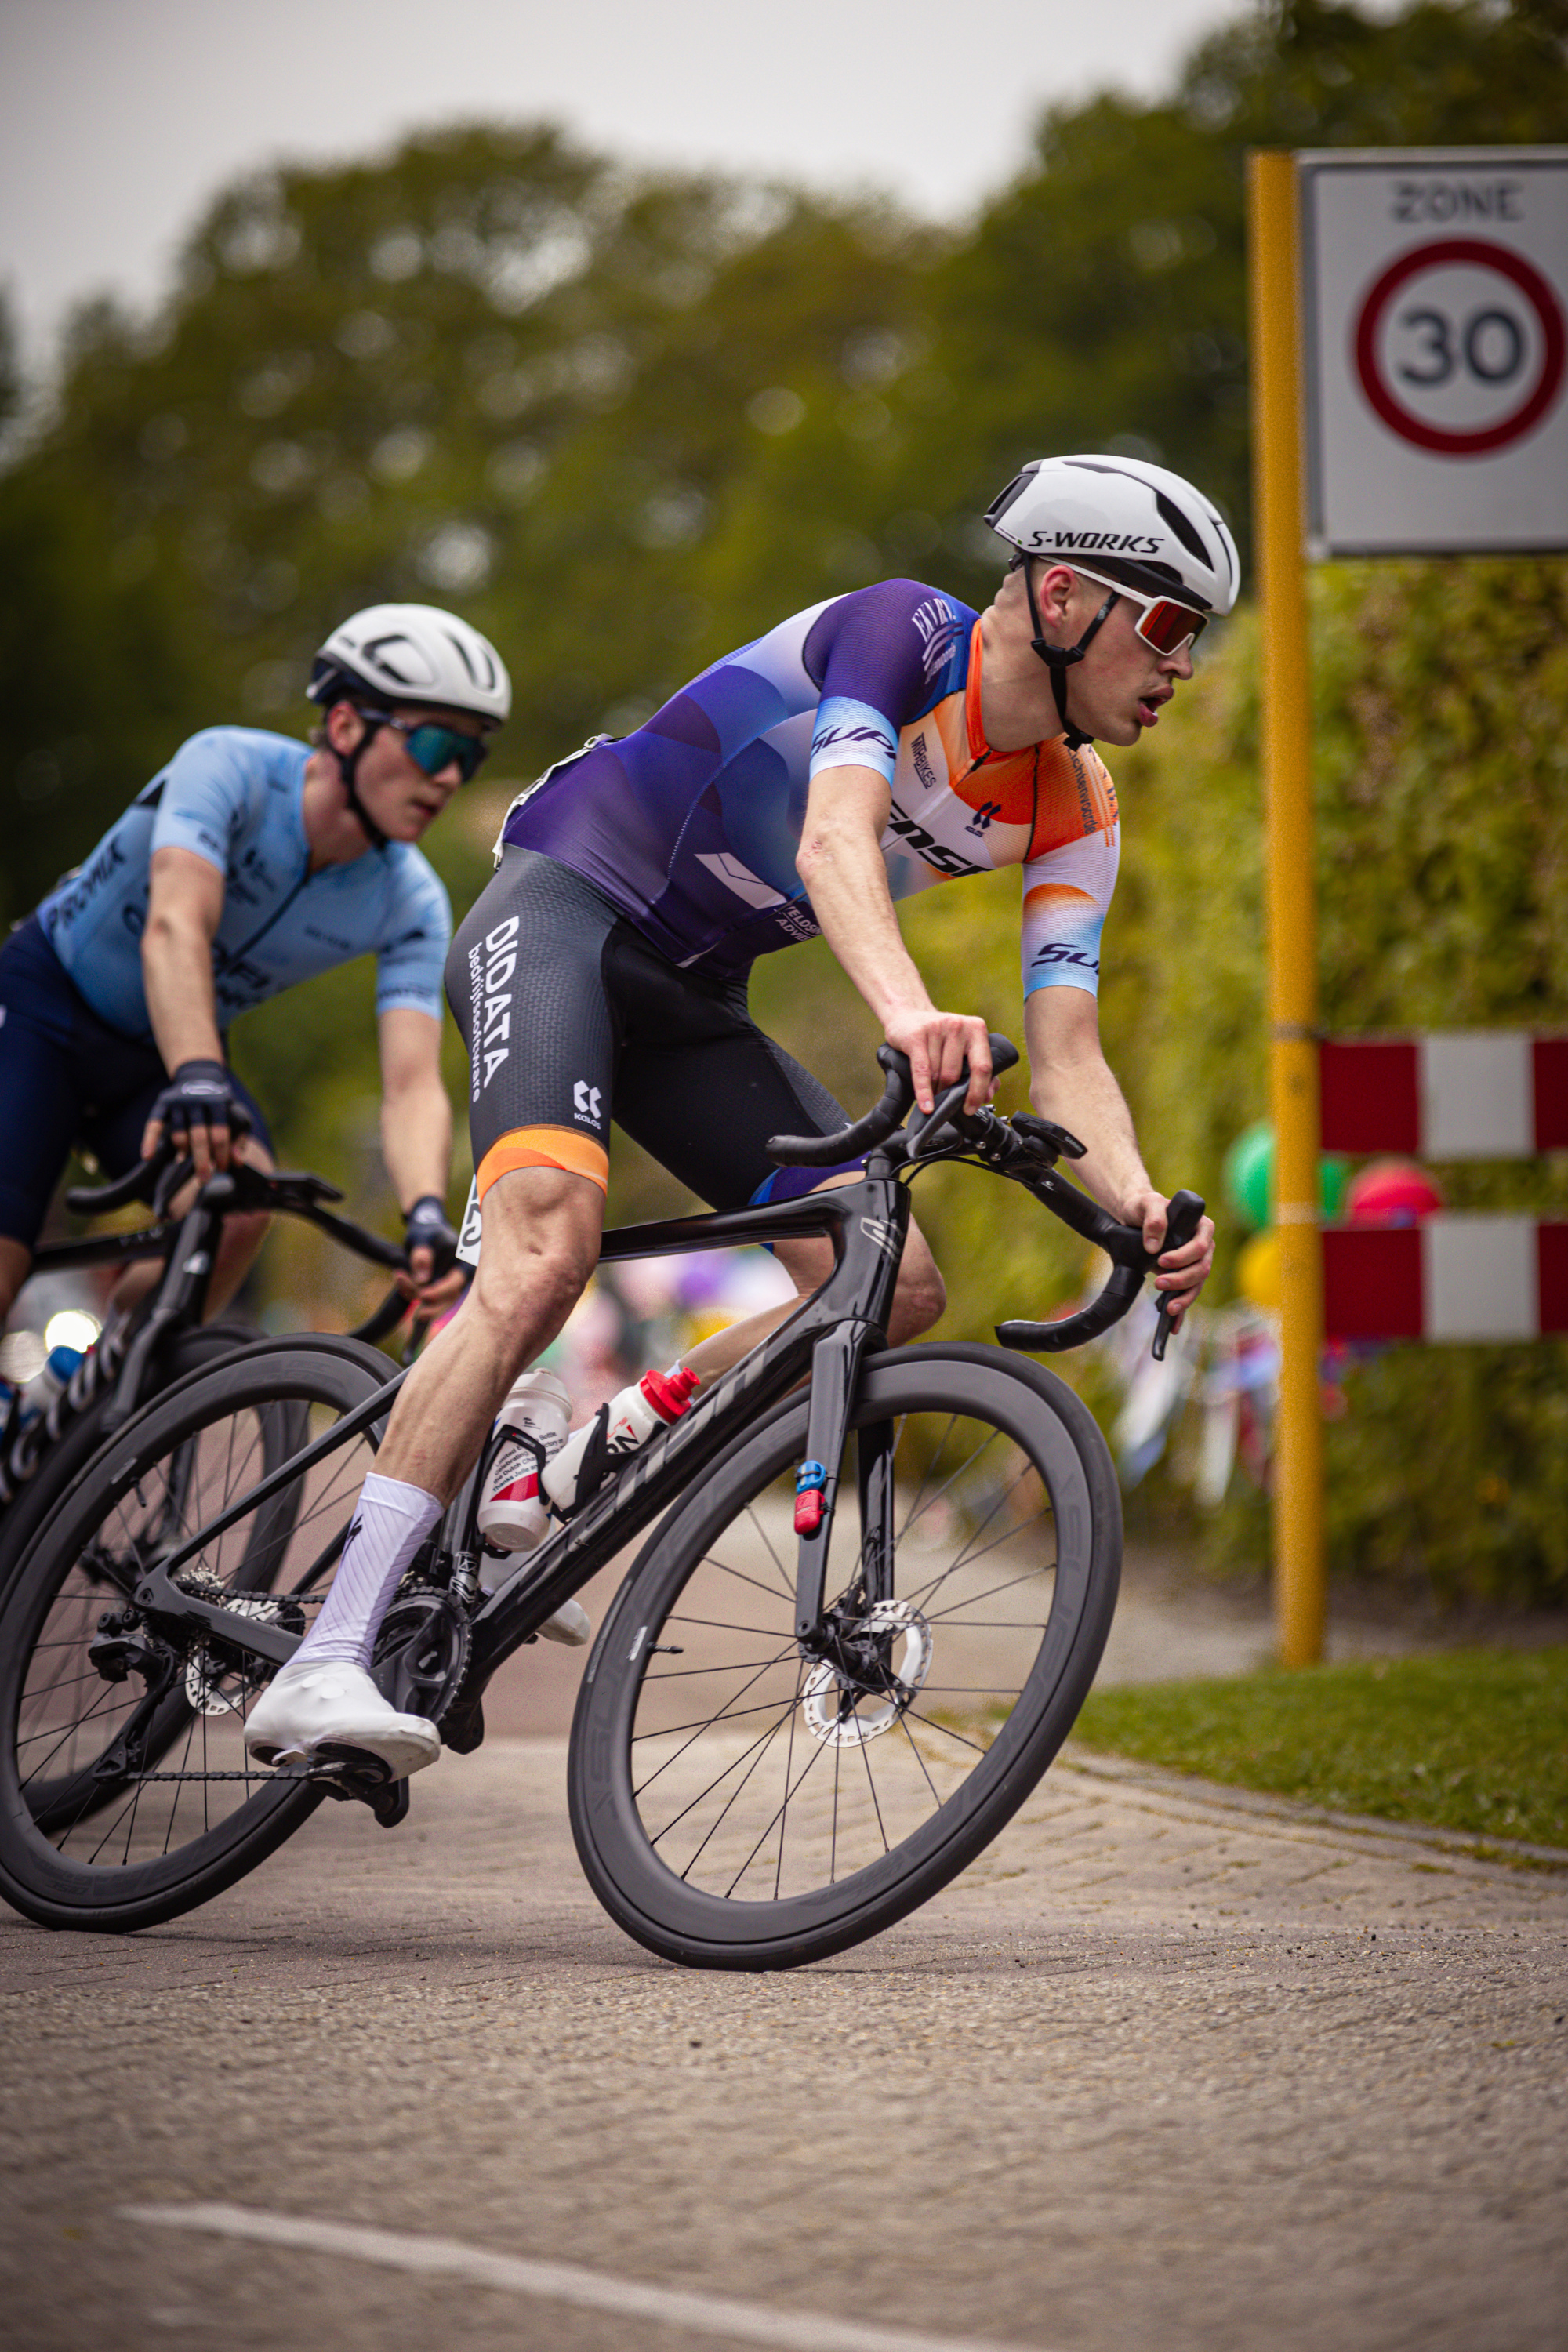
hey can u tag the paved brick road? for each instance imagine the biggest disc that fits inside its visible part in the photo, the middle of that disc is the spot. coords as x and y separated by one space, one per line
1166 2067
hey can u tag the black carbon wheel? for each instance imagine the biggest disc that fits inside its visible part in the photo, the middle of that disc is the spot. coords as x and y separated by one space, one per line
737 1804
125 1794
61 1467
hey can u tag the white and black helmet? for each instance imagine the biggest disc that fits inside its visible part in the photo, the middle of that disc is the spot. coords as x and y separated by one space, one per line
1123 519
413 653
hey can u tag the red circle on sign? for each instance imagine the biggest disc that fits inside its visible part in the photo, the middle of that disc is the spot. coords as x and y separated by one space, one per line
1537 291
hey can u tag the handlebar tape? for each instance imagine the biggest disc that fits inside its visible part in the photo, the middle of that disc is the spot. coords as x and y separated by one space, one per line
1054 1338
1125 1244
136 1185
897 1100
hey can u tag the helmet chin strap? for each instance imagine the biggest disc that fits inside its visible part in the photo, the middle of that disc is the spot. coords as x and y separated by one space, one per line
348 767
1059 659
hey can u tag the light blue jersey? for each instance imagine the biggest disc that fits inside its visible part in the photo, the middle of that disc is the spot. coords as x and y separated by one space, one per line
233 795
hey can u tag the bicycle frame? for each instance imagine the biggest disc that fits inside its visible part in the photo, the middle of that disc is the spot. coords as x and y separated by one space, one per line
189 1244
867 1222
827 1335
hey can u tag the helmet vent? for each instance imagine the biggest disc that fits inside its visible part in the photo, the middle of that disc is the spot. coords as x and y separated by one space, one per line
464 655
377 651
1186 531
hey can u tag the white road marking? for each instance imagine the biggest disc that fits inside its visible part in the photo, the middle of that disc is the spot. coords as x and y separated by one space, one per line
709 2315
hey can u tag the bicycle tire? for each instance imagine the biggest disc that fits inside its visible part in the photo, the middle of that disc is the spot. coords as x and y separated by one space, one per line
61 1864
60 1466
664 1862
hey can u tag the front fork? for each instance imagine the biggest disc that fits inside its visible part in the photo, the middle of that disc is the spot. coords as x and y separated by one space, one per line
873 1249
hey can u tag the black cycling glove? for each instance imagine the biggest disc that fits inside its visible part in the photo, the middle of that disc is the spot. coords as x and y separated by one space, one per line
426 1227
199 1094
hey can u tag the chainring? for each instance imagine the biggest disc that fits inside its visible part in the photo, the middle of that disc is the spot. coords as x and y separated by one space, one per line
422 1652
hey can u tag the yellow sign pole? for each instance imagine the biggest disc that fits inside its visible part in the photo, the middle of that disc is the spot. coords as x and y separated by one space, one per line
1299 1599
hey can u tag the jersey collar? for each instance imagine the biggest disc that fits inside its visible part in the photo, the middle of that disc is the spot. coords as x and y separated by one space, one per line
979 749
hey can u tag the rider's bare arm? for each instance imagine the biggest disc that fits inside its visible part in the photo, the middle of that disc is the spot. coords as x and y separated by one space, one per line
184 907
840 863
416 1125
1071 1082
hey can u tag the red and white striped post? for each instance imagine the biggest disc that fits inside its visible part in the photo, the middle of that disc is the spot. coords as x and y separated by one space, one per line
1462 1276
1446 1094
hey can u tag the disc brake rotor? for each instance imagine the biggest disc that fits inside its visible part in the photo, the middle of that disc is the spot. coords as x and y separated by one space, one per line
842 1712
207 1672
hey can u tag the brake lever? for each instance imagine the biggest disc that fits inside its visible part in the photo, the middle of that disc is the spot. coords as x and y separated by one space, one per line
923 1137
136 1185
1183 1218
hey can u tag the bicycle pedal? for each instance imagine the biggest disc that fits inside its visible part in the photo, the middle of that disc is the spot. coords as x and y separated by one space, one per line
390 1805
349 1771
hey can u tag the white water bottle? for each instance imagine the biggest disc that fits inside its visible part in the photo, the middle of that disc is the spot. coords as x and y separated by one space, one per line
47 1385
512 1515
618 1429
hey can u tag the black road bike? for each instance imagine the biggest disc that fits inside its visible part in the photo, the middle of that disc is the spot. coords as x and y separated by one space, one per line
166 1339
865 1618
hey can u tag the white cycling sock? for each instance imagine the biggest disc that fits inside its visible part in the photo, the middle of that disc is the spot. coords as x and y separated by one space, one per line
389 1523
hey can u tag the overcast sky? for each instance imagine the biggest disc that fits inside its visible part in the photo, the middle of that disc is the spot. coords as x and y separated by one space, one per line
120 118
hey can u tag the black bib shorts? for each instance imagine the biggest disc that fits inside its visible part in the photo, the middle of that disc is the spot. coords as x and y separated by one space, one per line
572 1018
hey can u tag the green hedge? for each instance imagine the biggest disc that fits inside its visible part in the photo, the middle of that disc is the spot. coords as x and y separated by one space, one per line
1441 731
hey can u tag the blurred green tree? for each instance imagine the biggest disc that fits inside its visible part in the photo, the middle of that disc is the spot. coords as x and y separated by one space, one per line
625 422
1100 301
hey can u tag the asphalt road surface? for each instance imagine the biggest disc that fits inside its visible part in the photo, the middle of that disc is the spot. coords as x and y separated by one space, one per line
1169 2066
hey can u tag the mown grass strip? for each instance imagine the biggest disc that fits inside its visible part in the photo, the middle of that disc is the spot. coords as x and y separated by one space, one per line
1473 1740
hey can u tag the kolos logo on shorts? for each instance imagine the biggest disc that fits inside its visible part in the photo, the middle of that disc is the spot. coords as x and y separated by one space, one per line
488 1045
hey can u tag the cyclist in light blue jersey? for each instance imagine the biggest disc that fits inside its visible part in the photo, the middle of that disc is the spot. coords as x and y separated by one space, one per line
249 862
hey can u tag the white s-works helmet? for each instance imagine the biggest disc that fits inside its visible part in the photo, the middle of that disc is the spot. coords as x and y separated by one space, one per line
413 653
1125 520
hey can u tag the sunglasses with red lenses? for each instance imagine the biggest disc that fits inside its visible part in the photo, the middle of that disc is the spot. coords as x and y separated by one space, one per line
1163 622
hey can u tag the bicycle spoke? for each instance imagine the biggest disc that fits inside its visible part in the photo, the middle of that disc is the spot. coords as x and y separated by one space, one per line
787 1581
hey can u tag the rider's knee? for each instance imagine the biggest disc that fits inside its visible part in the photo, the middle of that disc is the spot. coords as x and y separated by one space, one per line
542 1248
243 1236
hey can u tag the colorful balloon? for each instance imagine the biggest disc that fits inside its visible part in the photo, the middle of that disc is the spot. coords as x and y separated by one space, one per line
1250 1173
1257 1271
1392 1192
1249 1177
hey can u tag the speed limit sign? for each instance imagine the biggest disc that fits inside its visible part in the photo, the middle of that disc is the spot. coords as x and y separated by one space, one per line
1436 313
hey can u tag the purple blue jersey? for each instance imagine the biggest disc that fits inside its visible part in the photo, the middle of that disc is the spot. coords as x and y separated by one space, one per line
691 826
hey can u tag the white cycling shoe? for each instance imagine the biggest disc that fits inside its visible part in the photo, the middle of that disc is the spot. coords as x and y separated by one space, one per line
571 1624
307 1706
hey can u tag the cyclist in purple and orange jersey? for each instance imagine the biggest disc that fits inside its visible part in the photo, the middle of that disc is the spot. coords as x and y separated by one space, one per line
250 862
872 747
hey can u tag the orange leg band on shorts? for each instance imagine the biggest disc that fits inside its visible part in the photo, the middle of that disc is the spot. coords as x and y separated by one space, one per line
545 1147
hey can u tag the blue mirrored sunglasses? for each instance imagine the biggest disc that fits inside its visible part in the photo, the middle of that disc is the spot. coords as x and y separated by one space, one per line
433 747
